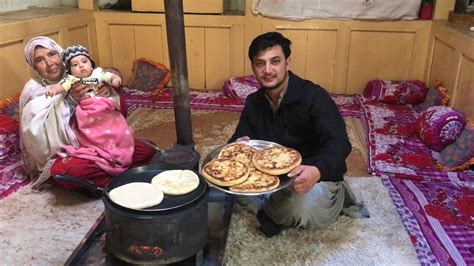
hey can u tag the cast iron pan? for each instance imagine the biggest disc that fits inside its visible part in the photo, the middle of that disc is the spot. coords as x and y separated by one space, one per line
142 174
146 174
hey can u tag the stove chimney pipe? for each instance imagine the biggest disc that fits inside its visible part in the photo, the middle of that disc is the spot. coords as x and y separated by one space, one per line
179 71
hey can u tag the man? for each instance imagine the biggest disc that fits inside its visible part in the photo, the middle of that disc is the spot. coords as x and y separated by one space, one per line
299 114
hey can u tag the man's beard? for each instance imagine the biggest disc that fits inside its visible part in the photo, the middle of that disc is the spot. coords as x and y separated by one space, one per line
276 85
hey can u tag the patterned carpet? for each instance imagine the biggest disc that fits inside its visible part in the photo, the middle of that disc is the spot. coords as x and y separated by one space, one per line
58 220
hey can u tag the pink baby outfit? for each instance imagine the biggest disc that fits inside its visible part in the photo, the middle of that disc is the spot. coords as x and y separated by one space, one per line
103 134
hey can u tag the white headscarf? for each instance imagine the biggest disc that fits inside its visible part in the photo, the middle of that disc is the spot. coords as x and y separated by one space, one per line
29 52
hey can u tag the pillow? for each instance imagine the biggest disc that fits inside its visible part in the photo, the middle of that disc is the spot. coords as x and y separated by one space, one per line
439 126
436 96
10 107
460 154
396 92
148 76
240 87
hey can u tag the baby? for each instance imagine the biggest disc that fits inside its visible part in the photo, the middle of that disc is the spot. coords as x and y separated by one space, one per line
81 69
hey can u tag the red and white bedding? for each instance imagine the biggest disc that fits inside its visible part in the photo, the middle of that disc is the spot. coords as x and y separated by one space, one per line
436 207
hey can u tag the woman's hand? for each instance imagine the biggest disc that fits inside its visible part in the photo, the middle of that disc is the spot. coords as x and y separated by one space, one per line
306 177
104 91
79 91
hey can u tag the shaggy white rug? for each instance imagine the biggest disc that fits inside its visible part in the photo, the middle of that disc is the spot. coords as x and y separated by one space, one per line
378 240
44 228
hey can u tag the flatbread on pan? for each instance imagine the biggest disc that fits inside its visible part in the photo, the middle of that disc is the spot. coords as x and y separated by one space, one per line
276 160
136 195
176 182
256 182
237 151
224 172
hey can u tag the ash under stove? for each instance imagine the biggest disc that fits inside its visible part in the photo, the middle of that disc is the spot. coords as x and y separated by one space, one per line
91 250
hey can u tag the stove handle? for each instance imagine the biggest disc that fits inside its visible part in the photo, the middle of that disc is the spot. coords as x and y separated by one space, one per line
95 190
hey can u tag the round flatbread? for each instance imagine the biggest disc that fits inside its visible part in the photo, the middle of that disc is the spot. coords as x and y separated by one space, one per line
176 182
237 151
136 195
256 182
276 160
225 172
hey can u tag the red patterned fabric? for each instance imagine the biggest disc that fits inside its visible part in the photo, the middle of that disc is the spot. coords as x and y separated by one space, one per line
438 217
439 126
460 154
9 137
396 92
240 87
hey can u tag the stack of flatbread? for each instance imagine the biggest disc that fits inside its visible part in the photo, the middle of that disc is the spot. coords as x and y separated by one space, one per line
242 168
141 195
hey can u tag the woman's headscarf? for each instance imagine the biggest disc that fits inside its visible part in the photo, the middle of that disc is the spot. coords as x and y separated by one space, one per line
30 47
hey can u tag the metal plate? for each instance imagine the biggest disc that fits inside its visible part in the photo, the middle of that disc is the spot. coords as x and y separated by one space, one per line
259 145
146 174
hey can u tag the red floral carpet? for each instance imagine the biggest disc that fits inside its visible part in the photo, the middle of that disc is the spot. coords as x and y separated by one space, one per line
436 207
439 218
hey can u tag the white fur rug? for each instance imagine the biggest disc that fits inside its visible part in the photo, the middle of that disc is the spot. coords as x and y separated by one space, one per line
44 229
378 240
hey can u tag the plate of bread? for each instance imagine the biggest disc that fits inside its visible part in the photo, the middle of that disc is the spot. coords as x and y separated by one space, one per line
250 167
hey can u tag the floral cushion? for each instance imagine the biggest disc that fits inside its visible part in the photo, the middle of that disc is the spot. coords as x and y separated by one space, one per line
240 87
149 76
10 107
460 154
396 92
439 126
436 96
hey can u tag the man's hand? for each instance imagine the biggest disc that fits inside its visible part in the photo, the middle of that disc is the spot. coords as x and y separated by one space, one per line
306 177
79 91
244 138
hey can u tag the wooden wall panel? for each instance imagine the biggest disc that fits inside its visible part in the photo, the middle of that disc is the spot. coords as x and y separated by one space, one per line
444 65
149 42
320 57
217 66
451 60
378 55
195 55
464 98
78 35
123 49
14 71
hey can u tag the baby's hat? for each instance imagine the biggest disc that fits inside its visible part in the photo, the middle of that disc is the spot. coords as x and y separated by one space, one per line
73 51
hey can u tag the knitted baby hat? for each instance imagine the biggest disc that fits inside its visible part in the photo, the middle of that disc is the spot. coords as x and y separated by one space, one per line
73 51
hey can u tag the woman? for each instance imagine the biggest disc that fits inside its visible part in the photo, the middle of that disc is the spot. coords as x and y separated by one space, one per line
45 122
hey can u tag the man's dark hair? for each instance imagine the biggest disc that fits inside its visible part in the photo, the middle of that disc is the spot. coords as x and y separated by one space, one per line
267 40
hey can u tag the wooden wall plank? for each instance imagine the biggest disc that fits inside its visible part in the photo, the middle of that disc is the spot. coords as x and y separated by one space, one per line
123 49
149 42
464 94
217 62
444 64
378 55
195 50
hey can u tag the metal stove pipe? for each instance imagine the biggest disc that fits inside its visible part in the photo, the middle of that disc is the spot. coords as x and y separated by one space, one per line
179 71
